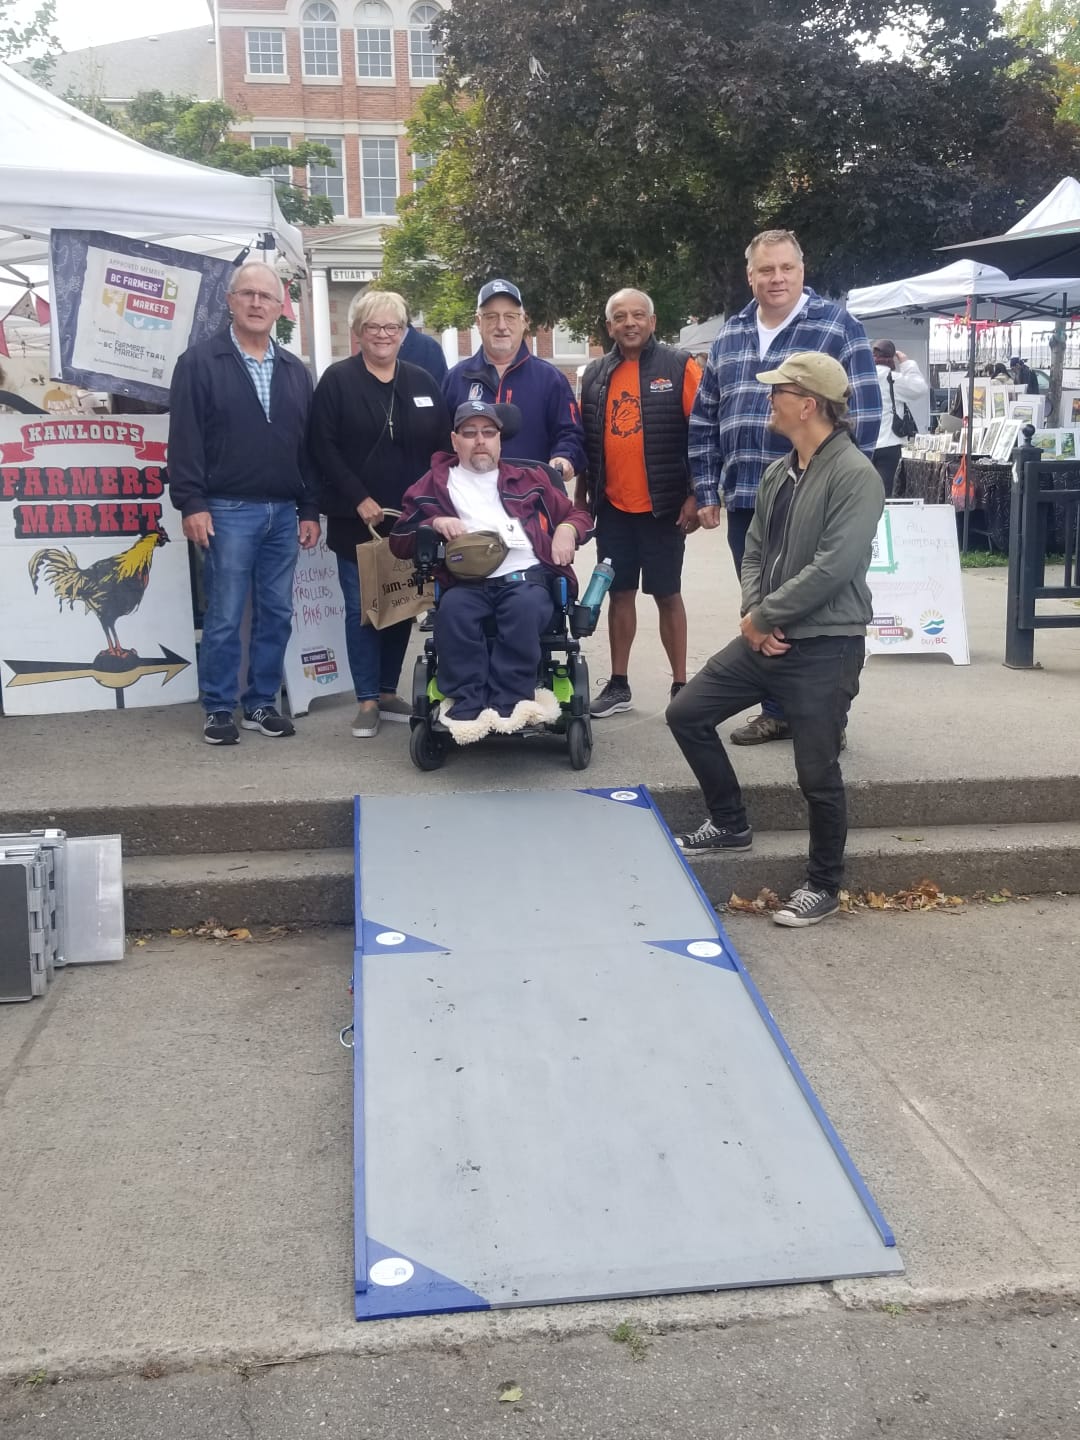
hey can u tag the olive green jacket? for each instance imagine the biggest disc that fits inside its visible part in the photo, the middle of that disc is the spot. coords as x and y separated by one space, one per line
818 580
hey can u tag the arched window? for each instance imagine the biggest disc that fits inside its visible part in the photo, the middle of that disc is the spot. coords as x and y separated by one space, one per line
319 40
423 53
374 41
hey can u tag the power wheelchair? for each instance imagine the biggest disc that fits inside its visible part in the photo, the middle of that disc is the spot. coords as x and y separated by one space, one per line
563 670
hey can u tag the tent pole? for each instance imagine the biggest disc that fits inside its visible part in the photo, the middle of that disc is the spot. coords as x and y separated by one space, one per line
972 311
1057 366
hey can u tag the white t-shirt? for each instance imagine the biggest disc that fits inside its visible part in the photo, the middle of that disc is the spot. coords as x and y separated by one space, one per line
765 336
476 500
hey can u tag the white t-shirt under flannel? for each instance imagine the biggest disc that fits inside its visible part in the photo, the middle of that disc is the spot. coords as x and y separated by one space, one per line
476 500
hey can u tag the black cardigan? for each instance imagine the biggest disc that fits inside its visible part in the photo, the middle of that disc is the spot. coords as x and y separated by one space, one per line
350 442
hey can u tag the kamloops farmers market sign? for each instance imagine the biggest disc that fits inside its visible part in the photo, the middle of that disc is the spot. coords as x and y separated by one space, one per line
98 495
95 590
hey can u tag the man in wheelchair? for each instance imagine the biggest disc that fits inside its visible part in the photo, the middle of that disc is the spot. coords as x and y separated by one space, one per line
490 679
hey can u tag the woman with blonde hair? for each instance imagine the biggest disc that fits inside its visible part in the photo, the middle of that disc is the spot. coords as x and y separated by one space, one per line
376 421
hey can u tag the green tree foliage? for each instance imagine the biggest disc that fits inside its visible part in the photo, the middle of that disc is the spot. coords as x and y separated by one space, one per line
589 146
27 34
200 130
1052 28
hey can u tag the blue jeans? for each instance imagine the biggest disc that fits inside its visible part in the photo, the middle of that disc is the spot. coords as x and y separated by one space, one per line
253 548
375 656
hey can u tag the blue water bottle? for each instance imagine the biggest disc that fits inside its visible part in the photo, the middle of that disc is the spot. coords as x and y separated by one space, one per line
598 586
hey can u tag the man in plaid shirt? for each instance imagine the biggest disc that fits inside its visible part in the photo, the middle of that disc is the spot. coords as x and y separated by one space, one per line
730 442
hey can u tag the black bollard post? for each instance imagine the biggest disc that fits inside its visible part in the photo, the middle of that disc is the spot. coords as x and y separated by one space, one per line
1024 557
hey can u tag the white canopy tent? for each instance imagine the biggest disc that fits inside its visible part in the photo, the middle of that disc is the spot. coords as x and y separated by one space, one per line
59 169
947 291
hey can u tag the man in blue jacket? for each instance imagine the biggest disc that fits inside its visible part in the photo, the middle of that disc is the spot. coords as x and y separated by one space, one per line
240 476
504 370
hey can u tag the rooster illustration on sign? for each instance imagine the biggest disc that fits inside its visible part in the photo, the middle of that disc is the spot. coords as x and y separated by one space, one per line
109 588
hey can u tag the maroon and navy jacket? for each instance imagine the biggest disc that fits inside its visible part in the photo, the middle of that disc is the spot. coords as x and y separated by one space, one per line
527 495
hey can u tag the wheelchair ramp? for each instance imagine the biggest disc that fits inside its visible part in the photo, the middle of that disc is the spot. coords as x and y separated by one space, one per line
567 1086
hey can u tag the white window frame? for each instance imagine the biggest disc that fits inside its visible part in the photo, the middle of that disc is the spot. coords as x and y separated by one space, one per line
314 31
565 347
386 29
421 164
265 75
421 47
281 175
381 141
336 144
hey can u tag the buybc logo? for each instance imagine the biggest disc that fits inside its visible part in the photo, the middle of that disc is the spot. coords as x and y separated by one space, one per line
932 623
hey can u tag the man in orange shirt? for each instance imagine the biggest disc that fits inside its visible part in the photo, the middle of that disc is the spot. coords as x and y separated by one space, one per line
635 405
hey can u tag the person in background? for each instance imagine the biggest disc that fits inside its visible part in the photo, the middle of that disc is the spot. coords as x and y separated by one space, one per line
376 421
635 402
731 443
901 382
505 371
240 475
998 373
425 351
1022 374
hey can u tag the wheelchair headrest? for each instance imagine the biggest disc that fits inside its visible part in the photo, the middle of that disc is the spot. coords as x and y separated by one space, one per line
510 416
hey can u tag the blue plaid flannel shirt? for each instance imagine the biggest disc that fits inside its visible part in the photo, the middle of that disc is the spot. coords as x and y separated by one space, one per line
730 447
261 371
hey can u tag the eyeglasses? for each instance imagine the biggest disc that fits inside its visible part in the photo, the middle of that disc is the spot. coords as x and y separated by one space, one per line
505 317
391 330
249 295
787 390
488 433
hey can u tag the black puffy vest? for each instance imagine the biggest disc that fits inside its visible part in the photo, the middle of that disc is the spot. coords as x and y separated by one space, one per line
664 426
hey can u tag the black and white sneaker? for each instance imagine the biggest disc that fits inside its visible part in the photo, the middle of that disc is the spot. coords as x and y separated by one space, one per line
615 696
268 722
806 907
715 837
219 728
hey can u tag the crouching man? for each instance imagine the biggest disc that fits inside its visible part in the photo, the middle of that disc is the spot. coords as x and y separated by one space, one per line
490 683
805 609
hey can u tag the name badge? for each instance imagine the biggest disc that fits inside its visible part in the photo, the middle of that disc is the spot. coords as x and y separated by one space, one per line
423 402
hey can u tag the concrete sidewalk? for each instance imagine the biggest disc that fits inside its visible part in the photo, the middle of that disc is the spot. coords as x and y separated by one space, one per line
176 1133
917 718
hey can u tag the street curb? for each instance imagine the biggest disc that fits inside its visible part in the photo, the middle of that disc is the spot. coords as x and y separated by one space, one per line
659 1314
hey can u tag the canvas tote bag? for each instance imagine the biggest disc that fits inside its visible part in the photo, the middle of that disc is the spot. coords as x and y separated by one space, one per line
387 592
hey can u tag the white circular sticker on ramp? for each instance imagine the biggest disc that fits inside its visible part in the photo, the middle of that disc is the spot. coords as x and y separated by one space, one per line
390 937
624 794
395 1270
704 949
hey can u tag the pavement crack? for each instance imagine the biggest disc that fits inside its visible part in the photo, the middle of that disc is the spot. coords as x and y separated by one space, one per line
44 1005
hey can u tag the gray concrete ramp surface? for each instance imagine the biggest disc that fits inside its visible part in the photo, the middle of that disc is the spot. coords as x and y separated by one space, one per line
567 1087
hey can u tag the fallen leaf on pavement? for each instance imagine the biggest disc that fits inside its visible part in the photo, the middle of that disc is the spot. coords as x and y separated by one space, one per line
510 1393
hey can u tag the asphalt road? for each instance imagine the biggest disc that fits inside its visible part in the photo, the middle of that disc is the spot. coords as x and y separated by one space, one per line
969 1373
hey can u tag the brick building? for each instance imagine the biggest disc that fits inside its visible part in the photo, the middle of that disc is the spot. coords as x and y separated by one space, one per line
345 73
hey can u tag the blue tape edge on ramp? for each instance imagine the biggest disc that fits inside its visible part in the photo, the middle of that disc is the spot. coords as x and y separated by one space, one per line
396 1285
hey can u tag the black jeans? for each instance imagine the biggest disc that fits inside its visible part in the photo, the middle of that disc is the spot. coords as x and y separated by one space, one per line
815 681
885 462
738 523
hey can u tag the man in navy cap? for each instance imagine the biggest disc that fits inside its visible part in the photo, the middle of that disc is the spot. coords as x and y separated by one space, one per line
504 370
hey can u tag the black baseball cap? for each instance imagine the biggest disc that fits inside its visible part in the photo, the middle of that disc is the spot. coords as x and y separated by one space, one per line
474 409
